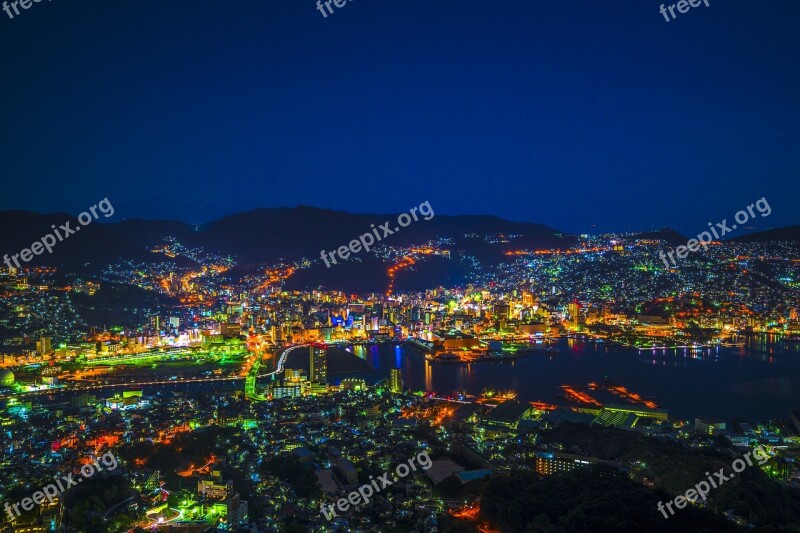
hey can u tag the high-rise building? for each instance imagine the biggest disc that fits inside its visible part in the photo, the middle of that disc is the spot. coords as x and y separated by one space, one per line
396 380
230 329
237 511
574 313
502 311
44 345
317 364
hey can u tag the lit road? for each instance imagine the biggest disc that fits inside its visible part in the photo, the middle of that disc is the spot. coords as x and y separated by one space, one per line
282 360
45 392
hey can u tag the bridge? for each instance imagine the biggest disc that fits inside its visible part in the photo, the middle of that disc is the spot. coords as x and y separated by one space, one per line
250 382
362 343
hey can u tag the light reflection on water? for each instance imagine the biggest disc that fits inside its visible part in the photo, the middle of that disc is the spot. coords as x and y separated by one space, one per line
758 381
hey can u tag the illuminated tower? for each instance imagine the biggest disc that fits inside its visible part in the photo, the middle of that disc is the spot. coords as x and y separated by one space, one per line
574 314
396 380
317 364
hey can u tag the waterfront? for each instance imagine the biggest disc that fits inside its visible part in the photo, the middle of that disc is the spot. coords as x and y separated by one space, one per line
756 382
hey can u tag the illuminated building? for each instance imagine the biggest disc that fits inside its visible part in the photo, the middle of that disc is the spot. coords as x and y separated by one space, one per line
709 425
228 419
233 329
107 347
573 310
236 511
532 328
456 340
294 385
502 311
548 463
318 364
38 523
641 419
396 380
504 419
527 299
287 391
209 488
317 388
44 345
354 384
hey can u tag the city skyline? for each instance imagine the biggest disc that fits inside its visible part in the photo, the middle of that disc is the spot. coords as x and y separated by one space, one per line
443 267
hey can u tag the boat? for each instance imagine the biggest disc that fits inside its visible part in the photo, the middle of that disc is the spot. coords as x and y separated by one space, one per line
445 358
493 397
501 356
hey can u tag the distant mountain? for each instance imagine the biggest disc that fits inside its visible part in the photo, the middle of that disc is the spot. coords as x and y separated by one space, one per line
259 236
94 245
266 236
791 233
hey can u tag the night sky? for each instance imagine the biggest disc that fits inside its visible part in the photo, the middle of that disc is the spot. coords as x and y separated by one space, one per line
582 115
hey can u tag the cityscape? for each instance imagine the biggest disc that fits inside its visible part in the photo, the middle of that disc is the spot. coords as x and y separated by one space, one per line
453 268
236 401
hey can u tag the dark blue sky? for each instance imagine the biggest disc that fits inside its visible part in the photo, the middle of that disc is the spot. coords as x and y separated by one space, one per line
566 113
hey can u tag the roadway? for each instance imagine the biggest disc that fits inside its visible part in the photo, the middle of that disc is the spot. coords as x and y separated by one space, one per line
282 360
45 392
